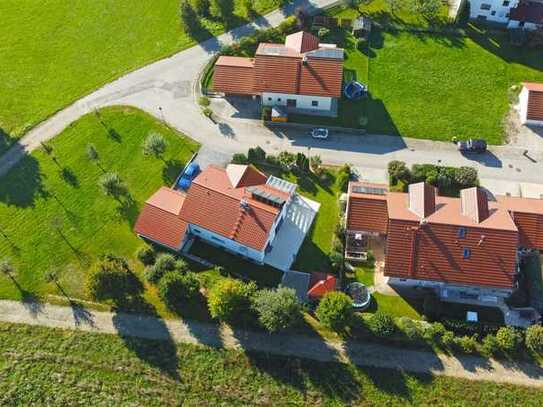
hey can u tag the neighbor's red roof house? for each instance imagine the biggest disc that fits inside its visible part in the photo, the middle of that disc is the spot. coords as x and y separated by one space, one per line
466 241
300 66
531 103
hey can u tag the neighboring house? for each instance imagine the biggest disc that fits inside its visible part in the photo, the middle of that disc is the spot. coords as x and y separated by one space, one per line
238 208
302 75
459 246
531 104
527 14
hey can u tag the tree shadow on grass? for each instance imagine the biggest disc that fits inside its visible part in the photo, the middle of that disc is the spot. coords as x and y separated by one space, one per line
69 176
128 209
23 184
5 141
80 313
31 301
171 170
136 319
327 374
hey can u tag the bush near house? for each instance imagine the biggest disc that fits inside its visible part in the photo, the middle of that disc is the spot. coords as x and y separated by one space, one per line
335 310
112 279
146 255
509 339
277 309
175 289
164 263
449 180
534 338
230 300
381 324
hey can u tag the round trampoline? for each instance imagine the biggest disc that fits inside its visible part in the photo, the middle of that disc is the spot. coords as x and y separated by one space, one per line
354 90
360 295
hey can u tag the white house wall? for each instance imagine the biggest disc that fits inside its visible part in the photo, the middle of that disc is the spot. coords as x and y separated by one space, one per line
523 105
302 101
228 244
497 12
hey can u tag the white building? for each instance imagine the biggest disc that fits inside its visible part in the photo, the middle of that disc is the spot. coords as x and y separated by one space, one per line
531 104
526 14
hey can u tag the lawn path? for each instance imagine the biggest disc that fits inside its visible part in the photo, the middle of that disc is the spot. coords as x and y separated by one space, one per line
361 354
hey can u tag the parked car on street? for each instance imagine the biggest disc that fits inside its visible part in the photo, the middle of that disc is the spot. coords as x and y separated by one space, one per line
319 133
471 146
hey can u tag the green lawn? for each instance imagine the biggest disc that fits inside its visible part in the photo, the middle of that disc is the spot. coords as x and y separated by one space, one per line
53 213
72 368
453 82
56 51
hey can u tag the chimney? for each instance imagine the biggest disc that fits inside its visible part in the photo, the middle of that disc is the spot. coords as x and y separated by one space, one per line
474 204
422 199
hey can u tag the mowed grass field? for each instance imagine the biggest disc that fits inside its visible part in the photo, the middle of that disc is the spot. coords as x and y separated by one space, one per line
72 368
54 215
55 51
453 82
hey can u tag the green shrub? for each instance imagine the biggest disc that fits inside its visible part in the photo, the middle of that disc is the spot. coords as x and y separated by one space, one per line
490 345
240 158
342 181
266 113
448 339
230 299
467 344
175 288
112 279
381 324
155 144
255 155
398 171
164 263
534 338
335 310
289 25
204 101
466 177
207 112
409 328
509 339
323 33
434 331
336 260
146 255
277 309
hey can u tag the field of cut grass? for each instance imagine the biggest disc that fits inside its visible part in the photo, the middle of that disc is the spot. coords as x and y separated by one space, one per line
43 366
53 52
55 217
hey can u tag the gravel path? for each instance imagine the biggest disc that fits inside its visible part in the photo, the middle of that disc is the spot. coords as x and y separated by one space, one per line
361 354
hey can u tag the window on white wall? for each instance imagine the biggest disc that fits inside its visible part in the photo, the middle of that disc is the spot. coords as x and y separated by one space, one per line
269 98
315 103
506 3
493 13
486 6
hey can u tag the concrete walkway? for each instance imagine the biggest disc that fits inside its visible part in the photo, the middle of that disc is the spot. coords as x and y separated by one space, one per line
361 354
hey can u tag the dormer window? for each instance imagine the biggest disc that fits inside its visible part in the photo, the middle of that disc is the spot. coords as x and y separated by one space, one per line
462 232
466 253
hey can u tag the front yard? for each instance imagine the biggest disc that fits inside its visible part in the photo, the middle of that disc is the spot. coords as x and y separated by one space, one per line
454 81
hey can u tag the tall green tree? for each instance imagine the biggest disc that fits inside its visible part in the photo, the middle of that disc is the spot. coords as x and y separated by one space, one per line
189 18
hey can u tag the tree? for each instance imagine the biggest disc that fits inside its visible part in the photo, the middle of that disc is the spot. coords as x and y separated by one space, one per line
315 164
112 185
230 299
154 145
508 338
323 33
302 163
189 18
146 255
277 309
466 177
247 6
164 263
112 279
92 153
222 9
430 8
256 154
393 5
534 338
335 310
398 171
175 288
7 268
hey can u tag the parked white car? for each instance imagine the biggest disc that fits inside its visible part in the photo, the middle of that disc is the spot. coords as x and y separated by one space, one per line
319 133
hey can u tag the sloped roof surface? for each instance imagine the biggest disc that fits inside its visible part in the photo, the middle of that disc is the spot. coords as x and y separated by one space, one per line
367 211
234 76
528 11
159 220
474 204
422 199
302 42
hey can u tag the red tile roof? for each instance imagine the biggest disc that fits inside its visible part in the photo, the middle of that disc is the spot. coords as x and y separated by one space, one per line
528 216
293 68
534 109
367 212
529 12
302 42
213 203
159 220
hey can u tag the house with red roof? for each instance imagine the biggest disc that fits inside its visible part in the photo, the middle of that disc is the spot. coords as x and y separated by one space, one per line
531 104
466 245
302 75
524 14
237 208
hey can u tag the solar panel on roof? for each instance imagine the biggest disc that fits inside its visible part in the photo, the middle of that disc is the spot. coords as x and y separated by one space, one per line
333 53
362 189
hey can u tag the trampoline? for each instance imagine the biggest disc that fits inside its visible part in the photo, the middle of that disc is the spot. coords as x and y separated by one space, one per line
354 90
360 295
